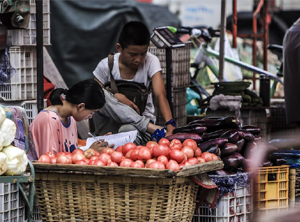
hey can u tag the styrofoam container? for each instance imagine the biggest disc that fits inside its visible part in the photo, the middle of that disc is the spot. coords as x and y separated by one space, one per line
21 37
23 84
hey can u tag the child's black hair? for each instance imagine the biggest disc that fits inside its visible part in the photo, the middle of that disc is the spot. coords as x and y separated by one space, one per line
87 91
134 33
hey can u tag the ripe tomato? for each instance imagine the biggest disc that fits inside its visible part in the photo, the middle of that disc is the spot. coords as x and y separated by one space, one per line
64 159
50 154
81 162
188 151
78 151
107 150
140 162
136 165
177 155
117 157
191 143
126 163
198 152
207 156
156 165
172 165
175 141
128 154
200 159
193 161
53 160
175 144
127 147
149 161
135 153
105 158
113 164
98 163
151 144
119 149
163 159
44 159
144 154
77 156
214 156
161 150
164 141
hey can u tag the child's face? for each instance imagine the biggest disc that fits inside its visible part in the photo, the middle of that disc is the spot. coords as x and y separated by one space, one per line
134 55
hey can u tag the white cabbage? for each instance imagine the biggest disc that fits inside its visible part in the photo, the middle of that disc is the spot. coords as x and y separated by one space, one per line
17 160
8 131
2 115
3 163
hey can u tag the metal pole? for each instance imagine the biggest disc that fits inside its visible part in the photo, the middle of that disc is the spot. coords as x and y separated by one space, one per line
222 40
234 24
39 54
169 77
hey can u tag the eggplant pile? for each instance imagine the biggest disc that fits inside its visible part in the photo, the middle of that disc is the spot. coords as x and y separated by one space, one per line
225 137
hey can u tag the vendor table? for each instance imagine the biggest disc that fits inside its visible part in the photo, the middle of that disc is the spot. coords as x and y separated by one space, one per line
24 179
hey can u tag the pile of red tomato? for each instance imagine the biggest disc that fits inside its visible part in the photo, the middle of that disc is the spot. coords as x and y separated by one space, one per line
162 155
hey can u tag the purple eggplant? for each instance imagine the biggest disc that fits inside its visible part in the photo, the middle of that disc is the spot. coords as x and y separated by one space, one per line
246 135
190 129
279 162
232 135
213 149
214 134
240 143
248 148
252 129
230 162
183 136
204 146
267 163
228 148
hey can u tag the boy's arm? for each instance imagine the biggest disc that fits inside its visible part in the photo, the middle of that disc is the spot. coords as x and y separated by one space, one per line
159 92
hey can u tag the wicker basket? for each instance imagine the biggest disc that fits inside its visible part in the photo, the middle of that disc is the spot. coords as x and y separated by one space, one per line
68 195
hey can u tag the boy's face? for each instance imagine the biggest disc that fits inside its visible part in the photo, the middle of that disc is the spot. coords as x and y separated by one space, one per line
132 56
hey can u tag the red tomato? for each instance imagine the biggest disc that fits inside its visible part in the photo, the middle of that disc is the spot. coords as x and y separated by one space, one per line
156 165
151 144
119 149
126 163
175 141
89 153
105 158
214 156
177 155
69 155
187 164
188 151
163 159
77 151
193 161
128 154
117 157
198 152
149 161
207 156
175 147
98 163
107 150
44 159
112 164
81 162
135 153
140 162
94 158
172 165
92 161
201 159
50 154
53 160
191 143
164 141
136 165
161 150
77 156
64 159
127 147
144 154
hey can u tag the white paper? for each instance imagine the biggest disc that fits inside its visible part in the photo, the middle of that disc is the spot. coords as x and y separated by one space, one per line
118 139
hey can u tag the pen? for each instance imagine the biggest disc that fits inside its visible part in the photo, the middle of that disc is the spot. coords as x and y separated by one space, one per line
90 134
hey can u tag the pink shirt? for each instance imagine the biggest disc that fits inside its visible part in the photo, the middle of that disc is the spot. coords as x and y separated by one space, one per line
50 134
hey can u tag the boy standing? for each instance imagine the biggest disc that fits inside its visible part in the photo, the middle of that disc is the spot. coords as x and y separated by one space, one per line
133 62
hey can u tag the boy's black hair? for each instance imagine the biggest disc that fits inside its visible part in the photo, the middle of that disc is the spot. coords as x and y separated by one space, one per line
134 33
87 91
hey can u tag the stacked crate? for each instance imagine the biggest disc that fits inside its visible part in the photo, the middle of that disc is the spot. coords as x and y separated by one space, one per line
180 80
21 89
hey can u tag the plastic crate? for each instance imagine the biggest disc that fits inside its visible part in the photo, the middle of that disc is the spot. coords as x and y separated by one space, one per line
180 64
12 207
36 217
234 206
272 189
20 37
23 84
30 107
